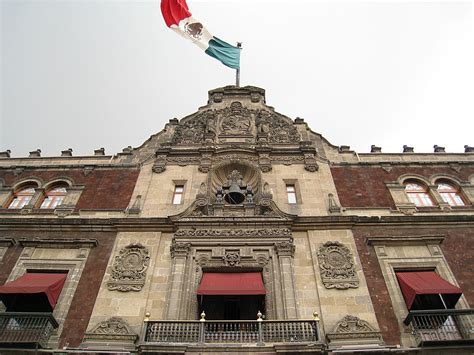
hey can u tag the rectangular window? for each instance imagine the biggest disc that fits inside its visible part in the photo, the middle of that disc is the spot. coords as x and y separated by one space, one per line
178 194
291 193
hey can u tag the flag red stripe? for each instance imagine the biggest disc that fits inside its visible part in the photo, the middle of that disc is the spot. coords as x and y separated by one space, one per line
174 11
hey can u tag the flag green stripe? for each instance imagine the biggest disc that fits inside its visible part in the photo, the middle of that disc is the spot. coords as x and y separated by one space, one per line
224 52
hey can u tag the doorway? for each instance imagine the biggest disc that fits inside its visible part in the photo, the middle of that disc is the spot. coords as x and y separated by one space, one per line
232 307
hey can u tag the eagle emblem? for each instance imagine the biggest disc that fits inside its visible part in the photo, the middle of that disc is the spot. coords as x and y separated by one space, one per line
194 29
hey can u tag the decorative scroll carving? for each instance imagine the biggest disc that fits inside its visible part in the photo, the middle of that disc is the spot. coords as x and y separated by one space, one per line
256 233
337 266
310 163
351 327
275 128
231 157
180 249
287 160
183 161
113 325
232 258
285 248
205 163
160 164
129 269
332 204
195 129
236 119
265 162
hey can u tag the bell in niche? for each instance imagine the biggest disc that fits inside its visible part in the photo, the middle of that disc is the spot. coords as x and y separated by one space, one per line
234 196
234 189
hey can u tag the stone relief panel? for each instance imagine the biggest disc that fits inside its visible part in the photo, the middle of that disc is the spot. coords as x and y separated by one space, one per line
351 327
336 264
232 258
129 269
235 120
274 128
113 326
196 130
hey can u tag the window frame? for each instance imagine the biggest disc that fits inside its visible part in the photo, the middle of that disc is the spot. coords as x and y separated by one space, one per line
23 198
418 197
54 196
291 194
447 195
178 194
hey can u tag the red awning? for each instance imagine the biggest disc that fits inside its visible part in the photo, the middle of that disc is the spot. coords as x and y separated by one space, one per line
32 290
238 283
415 284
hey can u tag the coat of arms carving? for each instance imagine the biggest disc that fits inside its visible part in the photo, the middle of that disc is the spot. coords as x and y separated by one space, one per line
129 269
235 120
337 266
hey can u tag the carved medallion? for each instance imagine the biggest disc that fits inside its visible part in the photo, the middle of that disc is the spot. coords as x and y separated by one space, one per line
232 258
195 129
236 120
129 269
337 266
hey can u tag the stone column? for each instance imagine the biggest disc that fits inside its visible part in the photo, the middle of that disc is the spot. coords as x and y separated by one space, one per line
179 255
285 252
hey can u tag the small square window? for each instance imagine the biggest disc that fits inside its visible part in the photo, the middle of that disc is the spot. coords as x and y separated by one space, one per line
178 194
291 193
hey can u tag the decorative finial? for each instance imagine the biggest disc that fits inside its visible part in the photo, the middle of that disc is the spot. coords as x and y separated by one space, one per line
203 317
147 317
316 316
259 316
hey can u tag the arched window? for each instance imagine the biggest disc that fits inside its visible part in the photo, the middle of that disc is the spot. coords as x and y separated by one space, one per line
54 197
418 194
450 194
22 197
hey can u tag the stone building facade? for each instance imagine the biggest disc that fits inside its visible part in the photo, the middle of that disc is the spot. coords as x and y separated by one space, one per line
305 246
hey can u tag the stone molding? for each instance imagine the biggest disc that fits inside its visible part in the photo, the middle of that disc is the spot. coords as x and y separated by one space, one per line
129 269
286 248
336 264
180 249
59 243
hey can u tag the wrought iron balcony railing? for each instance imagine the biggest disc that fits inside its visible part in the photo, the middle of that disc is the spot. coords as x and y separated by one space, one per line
241 332
440 327
26 328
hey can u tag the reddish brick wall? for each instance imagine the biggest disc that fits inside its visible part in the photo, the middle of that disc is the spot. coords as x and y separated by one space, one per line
364 186
9 260
86 293
104 189
456 248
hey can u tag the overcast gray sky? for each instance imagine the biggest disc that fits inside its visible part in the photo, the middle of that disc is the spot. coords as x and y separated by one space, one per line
86 74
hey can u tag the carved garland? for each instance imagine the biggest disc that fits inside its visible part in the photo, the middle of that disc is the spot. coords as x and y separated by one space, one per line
337 266
271 232
129 269
113 326
351 327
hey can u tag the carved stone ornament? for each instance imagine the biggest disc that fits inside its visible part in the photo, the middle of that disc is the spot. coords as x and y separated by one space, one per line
129 269
232 258
235 120
113 325
160 164
180 249
351 327
285 248
256 233
195 129
276 128
337 266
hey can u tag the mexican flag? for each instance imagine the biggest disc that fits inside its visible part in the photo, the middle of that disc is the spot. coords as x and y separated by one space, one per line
178 18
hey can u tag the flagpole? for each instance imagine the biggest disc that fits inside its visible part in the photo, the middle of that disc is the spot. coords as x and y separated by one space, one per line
237 71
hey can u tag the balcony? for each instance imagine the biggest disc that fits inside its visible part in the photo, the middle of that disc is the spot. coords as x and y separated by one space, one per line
26 329
442 327
301 335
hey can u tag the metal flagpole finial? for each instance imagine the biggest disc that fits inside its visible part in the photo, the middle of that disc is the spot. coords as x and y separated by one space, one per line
237 71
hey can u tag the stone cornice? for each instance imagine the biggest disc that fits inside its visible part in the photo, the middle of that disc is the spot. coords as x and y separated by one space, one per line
167 225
